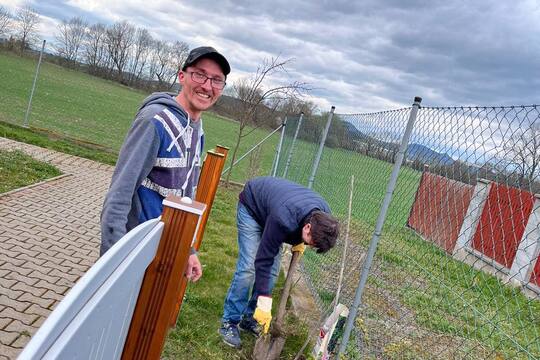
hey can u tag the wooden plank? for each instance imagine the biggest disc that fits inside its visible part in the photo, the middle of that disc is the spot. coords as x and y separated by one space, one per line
206 192
159 289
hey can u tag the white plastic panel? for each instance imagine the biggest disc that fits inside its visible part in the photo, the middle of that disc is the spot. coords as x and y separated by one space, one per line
92 321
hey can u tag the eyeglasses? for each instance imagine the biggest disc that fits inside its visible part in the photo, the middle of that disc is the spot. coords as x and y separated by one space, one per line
201 78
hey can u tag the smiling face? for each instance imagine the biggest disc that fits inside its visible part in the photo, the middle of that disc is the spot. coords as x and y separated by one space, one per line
194 97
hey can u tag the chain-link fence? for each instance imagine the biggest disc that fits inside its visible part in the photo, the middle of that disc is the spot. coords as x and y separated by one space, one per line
456 273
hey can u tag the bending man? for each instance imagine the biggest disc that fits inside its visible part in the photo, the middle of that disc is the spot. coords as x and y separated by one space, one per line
271 211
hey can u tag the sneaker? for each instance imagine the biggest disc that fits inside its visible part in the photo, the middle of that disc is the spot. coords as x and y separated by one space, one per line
230 335
251 326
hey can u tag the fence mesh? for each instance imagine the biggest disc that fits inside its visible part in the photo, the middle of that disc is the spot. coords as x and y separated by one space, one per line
457 272
293 149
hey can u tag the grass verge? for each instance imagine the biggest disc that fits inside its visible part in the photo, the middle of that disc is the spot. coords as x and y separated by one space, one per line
49 140
18 169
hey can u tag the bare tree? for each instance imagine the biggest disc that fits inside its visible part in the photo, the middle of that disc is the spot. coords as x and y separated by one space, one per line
152 63
295 106
163 70
5 22
141 50
179 54
27 21
95 49
69 38
524 151
255 97
119 39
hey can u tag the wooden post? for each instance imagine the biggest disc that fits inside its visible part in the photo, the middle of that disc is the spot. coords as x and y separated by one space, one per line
206 192
207 187
159 289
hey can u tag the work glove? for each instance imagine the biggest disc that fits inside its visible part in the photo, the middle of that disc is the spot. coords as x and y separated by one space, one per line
300 248
263 312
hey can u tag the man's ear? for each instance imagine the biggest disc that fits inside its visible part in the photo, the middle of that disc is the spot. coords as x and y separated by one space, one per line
181 76
307 227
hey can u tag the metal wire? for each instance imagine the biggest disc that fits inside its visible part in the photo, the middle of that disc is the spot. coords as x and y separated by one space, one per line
456 273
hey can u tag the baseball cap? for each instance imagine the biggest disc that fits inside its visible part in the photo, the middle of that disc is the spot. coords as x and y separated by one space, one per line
210 53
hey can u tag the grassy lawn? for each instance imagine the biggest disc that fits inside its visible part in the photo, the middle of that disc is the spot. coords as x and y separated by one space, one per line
448 297
18 170
54 142
333 177
421 302
66 101
98 111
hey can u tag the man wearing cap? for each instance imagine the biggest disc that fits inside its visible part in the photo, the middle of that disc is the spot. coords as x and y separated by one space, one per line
161 154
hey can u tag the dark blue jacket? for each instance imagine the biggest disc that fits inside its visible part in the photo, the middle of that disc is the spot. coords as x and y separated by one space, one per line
280 207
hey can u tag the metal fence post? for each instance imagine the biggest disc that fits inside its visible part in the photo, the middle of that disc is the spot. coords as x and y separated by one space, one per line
278 150
289 157
321 147
25 124
378 227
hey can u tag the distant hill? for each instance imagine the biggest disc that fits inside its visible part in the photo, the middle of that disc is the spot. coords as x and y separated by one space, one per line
353 132
427 155
414 151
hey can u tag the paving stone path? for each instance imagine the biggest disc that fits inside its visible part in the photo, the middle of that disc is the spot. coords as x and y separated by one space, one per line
49 237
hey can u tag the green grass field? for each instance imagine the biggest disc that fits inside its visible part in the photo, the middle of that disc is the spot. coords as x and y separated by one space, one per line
99 111
18 170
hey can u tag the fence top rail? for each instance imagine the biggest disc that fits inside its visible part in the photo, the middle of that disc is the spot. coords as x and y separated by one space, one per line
478 107
469 107
375 112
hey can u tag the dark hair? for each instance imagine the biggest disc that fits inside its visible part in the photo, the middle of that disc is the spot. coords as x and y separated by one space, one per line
324 230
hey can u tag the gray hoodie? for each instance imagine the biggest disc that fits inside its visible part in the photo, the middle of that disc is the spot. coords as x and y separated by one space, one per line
161 155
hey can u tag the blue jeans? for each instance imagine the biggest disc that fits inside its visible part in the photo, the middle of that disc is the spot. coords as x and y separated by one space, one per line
241 300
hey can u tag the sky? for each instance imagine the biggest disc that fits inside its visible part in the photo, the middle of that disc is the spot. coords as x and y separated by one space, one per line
359 56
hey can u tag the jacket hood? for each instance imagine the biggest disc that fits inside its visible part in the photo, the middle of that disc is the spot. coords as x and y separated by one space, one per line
168 99
163 98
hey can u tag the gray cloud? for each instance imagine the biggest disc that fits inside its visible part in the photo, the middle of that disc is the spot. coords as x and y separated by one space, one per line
360 56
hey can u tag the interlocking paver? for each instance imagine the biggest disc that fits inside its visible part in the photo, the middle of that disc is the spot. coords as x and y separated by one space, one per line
35 309
49 236
20 306
18 327
8 337
4 322
27 285
20 341
11 313
10 293
8 352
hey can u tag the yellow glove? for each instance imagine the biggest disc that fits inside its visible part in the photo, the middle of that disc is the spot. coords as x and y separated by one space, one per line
263 312
300 248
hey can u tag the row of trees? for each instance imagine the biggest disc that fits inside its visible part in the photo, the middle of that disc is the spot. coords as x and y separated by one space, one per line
119 51
132 56
23 25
